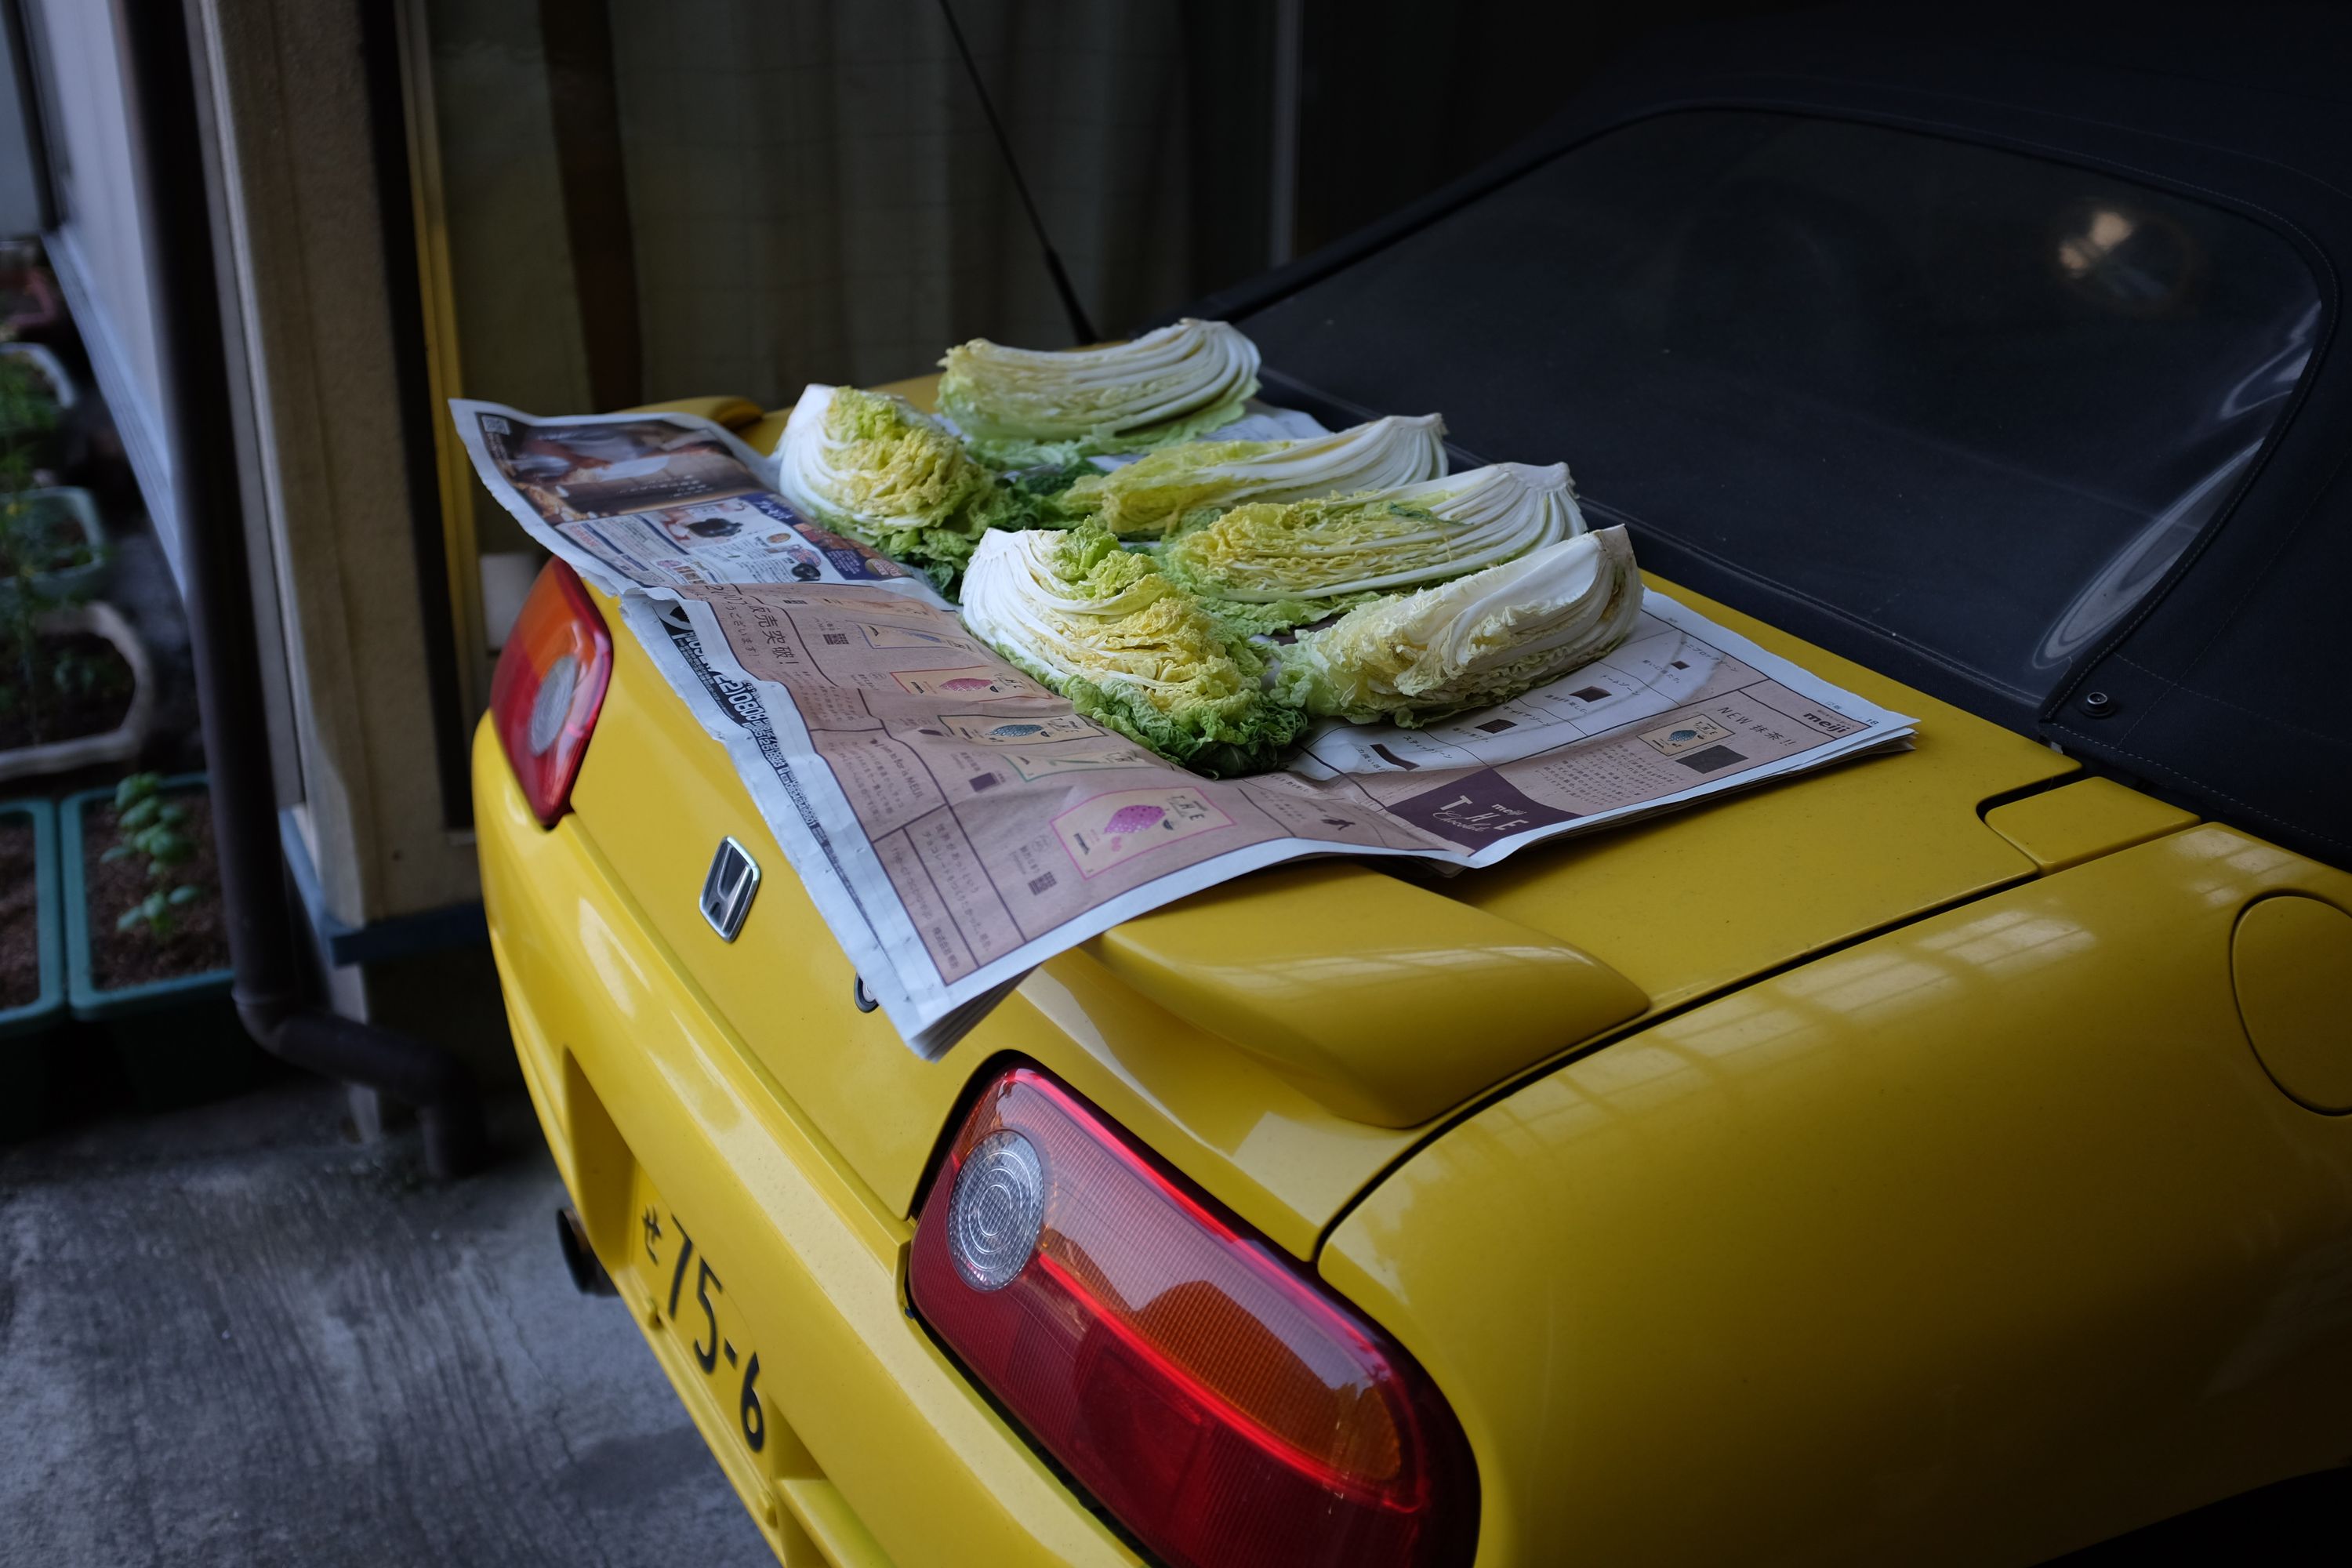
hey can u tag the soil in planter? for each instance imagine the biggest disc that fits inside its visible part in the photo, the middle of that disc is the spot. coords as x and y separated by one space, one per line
20 917
199 940
91 700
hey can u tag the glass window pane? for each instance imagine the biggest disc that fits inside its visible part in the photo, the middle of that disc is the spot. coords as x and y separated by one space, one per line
1973 400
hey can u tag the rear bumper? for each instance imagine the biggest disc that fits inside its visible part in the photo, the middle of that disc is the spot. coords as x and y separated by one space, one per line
871 1448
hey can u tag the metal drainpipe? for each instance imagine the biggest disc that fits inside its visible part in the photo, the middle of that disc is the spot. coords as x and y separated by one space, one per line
177 168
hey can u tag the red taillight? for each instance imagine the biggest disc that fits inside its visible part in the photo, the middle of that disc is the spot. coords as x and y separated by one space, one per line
550 684
1217 1402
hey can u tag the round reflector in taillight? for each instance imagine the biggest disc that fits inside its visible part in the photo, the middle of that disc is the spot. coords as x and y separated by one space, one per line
996 1210
552 706
1220 1404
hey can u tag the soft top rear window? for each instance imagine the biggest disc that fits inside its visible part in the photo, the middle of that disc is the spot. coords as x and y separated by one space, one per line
1963 399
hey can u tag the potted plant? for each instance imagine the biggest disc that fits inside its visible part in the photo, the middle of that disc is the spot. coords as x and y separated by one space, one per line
75 686
35 397
52 544
74 682
147 941
32 961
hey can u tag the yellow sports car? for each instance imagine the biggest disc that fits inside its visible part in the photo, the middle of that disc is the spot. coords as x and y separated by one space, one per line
1941 1158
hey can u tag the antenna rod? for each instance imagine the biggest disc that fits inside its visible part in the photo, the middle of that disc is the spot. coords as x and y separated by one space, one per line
1080 324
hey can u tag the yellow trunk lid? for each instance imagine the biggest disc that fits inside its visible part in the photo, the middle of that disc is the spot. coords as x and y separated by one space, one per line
1350 1046
1284 1038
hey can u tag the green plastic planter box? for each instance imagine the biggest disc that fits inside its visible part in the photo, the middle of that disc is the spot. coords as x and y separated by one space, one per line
24 1068
179 1040
76 583
50 1004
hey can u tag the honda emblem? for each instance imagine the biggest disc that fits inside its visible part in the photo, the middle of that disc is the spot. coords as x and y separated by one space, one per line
727 891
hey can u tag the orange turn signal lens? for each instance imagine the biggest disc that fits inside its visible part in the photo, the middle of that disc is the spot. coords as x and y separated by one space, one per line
549 686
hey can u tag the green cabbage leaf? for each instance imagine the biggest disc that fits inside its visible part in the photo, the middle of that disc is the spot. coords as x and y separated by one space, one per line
871 466
1129 649
1021 407
1473 642
1301 561
1144 499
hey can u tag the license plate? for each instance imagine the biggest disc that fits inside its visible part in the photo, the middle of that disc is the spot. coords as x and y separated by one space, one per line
689 1288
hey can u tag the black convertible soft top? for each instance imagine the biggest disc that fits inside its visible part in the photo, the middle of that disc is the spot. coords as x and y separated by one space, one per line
2223 683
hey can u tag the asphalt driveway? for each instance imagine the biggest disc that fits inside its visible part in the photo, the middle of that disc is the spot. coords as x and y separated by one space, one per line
232 1335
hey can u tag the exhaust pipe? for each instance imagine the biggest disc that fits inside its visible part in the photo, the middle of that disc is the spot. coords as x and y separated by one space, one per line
588 1276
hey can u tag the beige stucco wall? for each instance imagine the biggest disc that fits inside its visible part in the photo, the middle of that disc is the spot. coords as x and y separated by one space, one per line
330 506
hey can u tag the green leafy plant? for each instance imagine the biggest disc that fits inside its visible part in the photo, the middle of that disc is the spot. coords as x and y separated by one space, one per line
147 824
28 405
33 543
44 679
41 678
28 410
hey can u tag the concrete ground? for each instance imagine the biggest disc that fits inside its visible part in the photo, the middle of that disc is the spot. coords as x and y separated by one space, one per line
232 1336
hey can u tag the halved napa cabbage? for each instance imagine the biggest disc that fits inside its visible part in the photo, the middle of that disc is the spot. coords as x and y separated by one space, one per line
1129 649
1472 642
1310 558
1019 407
870 466
1147 497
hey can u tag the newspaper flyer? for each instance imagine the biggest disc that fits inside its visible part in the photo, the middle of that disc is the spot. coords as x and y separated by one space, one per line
957 823
659 501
